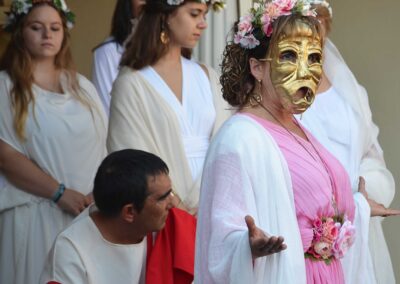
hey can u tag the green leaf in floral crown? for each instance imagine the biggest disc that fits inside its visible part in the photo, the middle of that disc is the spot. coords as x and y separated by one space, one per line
58 4
218 6
70 17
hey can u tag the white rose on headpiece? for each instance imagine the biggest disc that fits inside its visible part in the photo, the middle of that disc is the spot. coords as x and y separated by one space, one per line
175 2
63 5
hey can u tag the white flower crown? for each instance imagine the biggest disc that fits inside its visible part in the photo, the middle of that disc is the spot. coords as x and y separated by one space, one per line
258 24
216 5
22 7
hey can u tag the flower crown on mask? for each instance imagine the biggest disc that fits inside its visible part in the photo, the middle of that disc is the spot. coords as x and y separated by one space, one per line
216 5
22 7
257 25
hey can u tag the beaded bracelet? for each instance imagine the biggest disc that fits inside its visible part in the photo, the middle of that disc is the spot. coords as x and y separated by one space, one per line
60 191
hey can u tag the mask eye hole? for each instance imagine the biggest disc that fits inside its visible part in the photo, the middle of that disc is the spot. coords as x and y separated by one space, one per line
314 58
288 56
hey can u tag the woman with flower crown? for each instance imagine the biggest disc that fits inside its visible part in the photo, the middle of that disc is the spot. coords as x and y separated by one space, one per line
164 103
350 134
52 137
275 205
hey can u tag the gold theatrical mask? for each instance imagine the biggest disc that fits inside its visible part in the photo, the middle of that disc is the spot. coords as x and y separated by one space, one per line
296 68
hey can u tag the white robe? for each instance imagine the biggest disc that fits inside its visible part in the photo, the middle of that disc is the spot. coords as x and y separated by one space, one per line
347 130
233 187
196 123
140 118
66 142
106 59
80 255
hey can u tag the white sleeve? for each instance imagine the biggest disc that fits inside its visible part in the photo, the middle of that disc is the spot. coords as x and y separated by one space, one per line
105 70
7 131
357 263
379 181
64 264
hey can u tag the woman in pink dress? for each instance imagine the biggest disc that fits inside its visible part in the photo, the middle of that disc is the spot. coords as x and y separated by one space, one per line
264 174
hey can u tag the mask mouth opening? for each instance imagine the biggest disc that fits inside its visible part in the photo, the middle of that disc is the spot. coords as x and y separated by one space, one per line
305 94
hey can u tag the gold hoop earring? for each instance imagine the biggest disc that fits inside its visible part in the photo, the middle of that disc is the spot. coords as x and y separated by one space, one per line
256 98
164 38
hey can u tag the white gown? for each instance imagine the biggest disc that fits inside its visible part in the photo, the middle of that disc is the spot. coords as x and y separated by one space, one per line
146 115
341 120
196 113
67 142
106 59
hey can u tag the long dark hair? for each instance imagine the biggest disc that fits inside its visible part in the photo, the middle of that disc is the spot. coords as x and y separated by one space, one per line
121 25
145 47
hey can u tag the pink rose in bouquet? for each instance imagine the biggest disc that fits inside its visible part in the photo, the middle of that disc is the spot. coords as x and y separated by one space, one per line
344 240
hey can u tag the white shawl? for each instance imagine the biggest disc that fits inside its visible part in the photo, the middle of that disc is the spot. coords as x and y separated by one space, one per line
245 173
141 119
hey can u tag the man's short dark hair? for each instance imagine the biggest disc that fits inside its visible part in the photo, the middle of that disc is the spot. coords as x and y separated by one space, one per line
122 178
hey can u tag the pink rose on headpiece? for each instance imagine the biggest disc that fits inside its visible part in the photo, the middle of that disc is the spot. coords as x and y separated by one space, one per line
266 24
272 10
285 6
245 25
249 42
344 240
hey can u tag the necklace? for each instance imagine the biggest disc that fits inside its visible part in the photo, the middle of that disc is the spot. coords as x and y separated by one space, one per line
333 199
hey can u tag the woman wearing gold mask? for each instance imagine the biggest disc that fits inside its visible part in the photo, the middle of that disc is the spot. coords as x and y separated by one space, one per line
350 135
265 174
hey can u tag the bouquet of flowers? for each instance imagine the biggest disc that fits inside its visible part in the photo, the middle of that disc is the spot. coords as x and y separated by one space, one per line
333 236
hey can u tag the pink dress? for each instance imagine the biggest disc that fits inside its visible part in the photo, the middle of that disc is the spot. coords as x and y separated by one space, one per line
312 188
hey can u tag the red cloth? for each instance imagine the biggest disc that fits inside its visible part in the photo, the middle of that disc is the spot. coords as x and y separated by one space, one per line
171 259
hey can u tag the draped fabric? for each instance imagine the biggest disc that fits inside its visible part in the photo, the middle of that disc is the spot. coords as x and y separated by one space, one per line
106 59
317 178
195 123
240 156
141 119
361 155
170 260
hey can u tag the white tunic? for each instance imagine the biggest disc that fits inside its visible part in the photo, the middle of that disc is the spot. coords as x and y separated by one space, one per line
196 113
106 59
67 142
80 255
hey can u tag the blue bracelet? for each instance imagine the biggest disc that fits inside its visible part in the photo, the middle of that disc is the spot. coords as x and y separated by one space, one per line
60 191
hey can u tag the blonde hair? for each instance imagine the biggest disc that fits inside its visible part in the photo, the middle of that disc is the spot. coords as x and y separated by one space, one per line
18 64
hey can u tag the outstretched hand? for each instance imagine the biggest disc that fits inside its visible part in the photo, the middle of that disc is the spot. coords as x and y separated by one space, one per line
262 244
377 209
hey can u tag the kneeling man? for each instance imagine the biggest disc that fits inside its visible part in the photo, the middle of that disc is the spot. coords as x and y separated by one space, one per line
133 196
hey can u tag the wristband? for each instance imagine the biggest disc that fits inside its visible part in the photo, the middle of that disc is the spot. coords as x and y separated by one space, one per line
60 191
